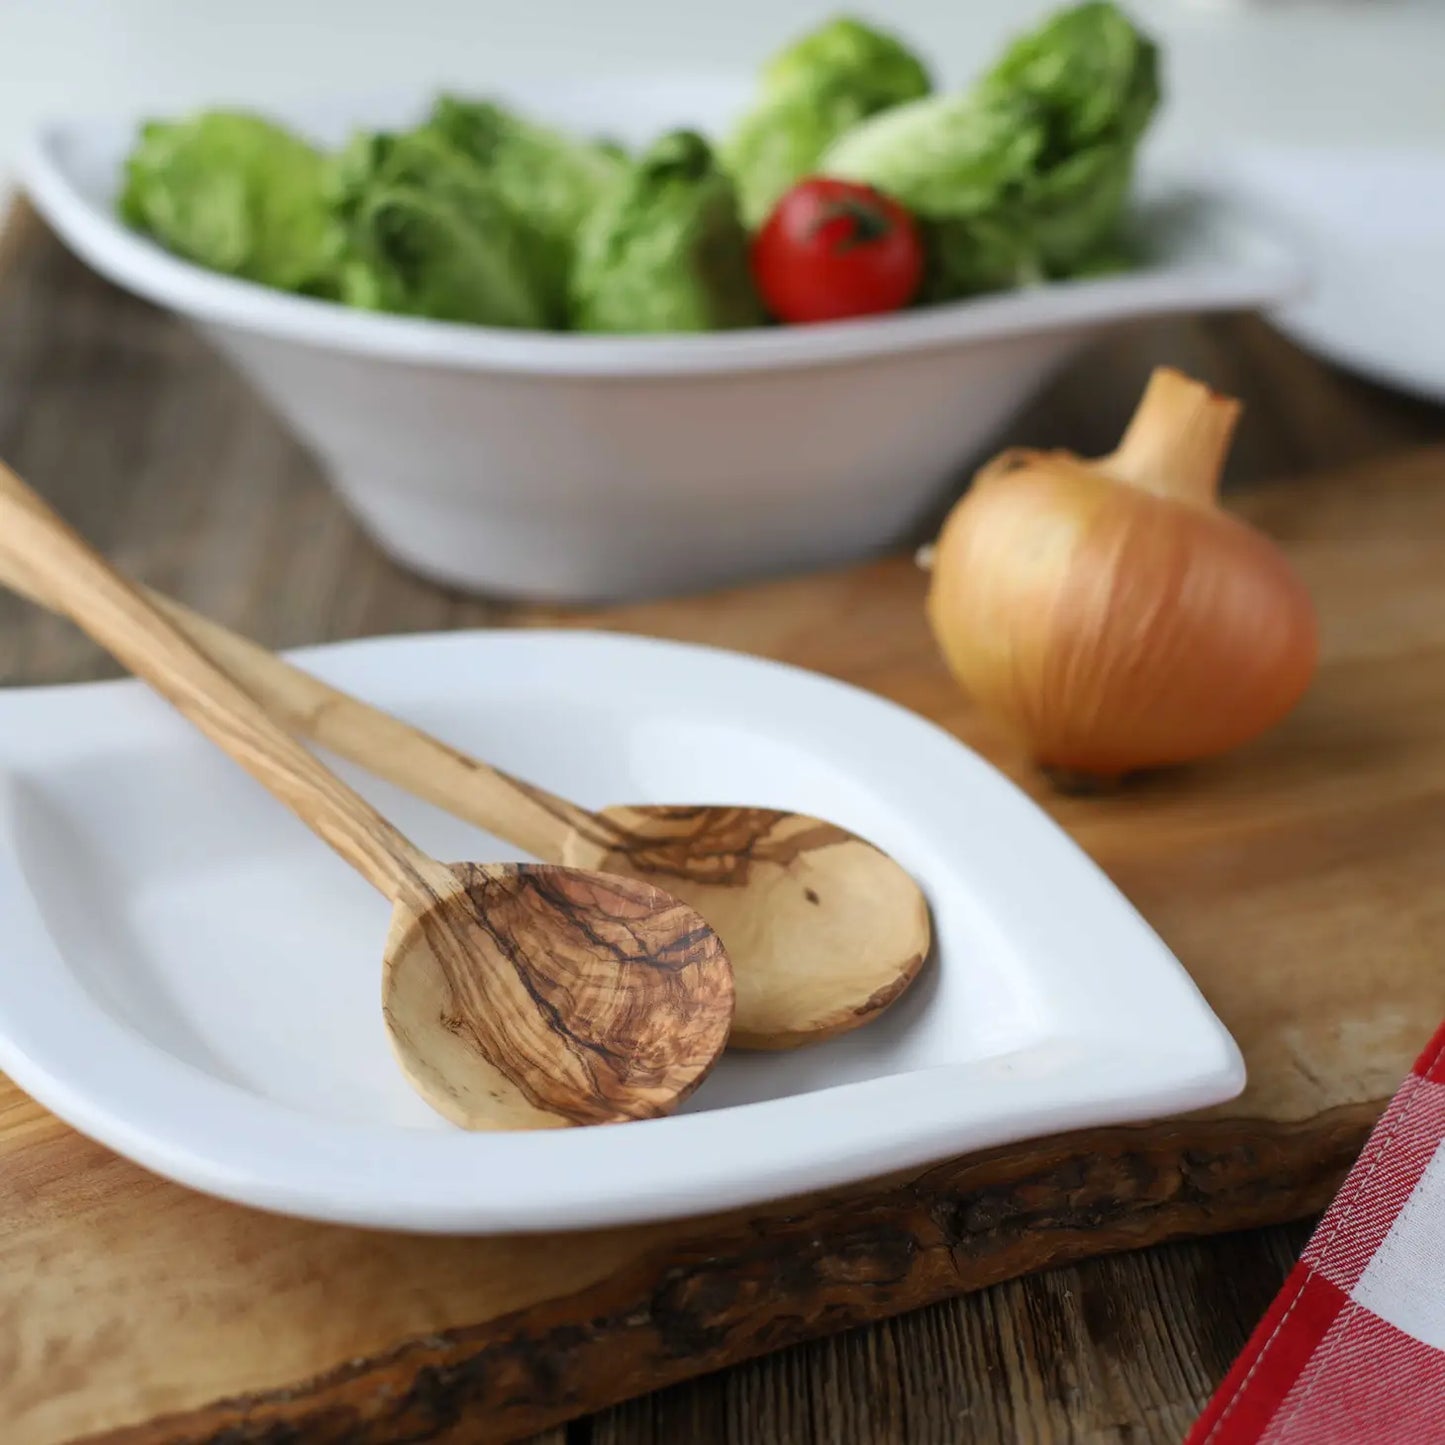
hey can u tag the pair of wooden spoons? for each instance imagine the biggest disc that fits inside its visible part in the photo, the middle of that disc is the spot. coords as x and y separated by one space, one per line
524 996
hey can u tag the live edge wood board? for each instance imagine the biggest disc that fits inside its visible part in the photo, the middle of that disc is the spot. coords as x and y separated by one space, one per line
1299 881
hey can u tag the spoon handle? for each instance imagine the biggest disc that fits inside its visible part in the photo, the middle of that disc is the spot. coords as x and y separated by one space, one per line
411 759
48 559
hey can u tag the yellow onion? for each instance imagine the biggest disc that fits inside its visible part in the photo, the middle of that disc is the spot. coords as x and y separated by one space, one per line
1108 611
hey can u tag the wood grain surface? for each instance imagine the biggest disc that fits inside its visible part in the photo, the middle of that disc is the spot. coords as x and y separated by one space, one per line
527 996
1298 881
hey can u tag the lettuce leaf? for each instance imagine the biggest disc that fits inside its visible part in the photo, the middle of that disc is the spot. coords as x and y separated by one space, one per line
665 250
549 180
1027 175
234 192
811 92
428 234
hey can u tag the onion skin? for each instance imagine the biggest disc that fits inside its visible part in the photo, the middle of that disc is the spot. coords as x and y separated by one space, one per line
1116 628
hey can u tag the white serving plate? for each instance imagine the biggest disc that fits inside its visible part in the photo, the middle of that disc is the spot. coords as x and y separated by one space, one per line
588 467
190 978
1370 223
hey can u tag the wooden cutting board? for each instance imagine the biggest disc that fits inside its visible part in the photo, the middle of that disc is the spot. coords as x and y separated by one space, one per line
1299 881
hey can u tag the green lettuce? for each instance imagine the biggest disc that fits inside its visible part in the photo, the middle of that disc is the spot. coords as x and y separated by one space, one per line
1092 79
548 179
841 48
664 250
236 193
812 92
480 215
428 234
1025 176
1092 74
957 165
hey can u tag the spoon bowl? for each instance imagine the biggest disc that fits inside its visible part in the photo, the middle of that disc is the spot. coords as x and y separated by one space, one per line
619 1014
832 930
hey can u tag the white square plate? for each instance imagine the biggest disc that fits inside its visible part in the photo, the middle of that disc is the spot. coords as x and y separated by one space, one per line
187 976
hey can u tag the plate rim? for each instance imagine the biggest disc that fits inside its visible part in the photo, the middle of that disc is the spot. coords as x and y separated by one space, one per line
1305 318
113 1084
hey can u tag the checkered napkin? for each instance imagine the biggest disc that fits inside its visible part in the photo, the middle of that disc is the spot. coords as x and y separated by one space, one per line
1352 1352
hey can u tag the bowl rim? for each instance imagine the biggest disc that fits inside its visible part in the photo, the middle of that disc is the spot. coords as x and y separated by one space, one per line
1261 272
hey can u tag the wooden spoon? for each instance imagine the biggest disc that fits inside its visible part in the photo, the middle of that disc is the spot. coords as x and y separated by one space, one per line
824 931
515 996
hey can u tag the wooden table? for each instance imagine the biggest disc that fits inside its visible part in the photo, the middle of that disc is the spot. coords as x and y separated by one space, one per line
193 487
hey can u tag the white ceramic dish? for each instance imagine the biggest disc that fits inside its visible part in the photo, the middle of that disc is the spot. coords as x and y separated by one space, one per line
1370 223
158 906
584 467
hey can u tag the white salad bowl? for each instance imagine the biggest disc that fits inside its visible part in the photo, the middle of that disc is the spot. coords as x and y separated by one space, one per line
576 467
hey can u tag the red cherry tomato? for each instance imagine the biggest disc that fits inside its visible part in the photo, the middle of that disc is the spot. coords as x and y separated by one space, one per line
833 249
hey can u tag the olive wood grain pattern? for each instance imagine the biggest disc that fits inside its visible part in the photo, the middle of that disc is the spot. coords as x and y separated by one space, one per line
824 931
1298 880
515 997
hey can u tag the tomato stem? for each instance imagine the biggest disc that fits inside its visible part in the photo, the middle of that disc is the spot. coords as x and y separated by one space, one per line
870 222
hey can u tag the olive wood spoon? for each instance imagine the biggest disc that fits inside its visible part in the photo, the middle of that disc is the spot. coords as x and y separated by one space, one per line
515 996
824 931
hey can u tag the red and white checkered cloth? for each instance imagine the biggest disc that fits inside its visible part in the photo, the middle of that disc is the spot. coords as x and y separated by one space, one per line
1352 1352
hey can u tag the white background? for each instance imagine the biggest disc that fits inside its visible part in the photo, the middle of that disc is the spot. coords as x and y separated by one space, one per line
1284 69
